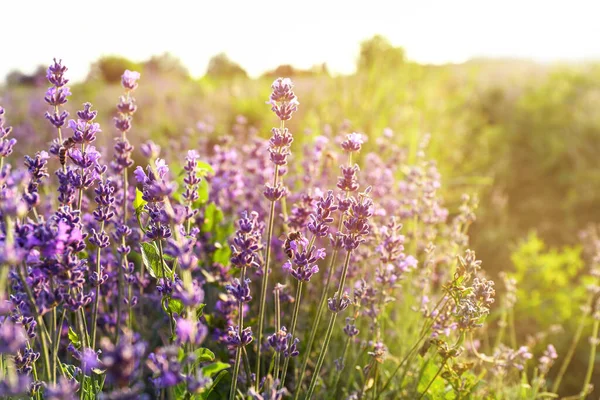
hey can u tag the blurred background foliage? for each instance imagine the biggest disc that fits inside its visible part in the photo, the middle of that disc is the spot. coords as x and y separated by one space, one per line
524 137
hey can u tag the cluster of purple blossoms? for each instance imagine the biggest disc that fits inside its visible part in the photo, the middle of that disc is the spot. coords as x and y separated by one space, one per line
303 263
394 262
353 142
357 220
350 329
182 247
190 331
506 358
282 342
6 145
547 359
322 218
236 339
283 101
57 94
38 170
126 108
156 187
246 245
121 361
191 180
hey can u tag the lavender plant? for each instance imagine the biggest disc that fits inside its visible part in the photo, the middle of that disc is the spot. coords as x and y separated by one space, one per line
160 287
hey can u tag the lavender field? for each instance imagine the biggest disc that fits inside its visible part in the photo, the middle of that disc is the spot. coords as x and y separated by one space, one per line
407 231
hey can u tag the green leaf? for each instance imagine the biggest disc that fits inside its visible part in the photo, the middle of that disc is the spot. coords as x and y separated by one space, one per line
138 206
222 254
152 261
200 310
203 190
212 369
205 168
139 202
213 215
176 306
74 338
204 395
204 355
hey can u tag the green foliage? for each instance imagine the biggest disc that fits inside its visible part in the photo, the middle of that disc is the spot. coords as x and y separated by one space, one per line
546 290
166 65
74 338
155 265
378 53
221 67
110 68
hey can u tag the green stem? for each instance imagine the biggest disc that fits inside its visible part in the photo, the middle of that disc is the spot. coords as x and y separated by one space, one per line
342 366
247 366
265 281
316 322
97 294
570 352
56 341
364 386
592 359
513 333
424 331
277 328
40 321
313 381
238 353
286 362
54 356
439 371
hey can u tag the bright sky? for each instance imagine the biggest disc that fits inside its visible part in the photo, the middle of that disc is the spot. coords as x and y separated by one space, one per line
262 34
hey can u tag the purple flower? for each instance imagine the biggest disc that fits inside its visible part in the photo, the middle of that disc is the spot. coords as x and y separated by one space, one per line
55 74
548 358
279 340
348 182
150 149
56 119
165 367
64 389
6 145
188 331
85 159
89 360
235 340
84 130
240 291
336 304
12 337
246 246
129 79
121 361
274 193
56 96
322 217
350 328
353 142
283 101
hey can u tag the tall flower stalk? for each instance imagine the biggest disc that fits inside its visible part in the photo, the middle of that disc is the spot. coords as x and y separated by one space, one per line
56 96
123 149
245 254
348 184
302 266
283 103
594 340
356 224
